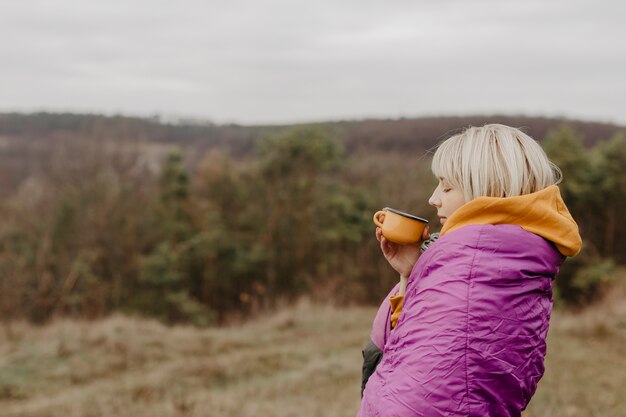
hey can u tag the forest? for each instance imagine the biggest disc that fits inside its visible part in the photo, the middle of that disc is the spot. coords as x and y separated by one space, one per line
192 222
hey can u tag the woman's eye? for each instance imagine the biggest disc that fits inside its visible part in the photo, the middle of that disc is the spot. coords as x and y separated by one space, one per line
445 190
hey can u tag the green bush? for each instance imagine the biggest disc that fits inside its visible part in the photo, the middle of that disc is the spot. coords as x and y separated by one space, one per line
584 279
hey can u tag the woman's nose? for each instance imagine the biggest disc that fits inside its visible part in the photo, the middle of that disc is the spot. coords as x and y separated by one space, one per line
434 201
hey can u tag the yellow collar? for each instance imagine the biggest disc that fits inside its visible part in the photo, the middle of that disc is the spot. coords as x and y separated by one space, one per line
543 213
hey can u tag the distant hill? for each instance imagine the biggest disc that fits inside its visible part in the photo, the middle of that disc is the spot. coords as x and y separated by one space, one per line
28 142
423 133
405 134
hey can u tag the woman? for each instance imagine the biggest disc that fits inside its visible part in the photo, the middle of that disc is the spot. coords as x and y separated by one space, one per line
473 310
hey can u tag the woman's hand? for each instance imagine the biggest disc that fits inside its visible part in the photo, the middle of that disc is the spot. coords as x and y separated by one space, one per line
402 258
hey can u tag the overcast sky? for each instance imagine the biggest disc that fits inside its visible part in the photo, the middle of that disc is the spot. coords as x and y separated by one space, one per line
266 61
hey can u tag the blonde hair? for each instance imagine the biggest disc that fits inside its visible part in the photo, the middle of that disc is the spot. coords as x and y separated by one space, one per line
494 161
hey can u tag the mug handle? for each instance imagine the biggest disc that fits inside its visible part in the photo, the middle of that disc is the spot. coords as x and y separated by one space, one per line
376 221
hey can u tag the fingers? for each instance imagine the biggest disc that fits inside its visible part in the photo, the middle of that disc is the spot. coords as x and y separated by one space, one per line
389 248
384 245
425 234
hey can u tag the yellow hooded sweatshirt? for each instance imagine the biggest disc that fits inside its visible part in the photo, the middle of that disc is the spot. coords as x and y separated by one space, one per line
543 213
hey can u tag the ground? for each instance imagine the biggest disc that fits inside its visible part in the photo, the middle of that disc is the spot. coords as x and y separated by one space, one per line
301 361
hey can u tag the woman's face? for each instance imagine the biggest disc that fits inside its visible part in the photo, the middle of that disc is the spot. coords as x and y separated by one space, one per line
446 199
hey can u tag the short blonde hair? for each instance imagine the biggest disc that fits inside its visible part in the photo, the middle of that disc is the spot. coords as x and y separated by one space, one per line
494 161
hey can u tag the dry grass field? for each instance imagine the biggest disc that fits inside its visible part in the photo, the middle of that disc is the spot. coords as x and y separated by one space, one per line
302 361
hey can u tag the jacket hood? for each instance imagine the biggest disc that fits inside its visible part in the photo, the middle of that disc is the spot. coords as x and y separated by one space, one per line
543 213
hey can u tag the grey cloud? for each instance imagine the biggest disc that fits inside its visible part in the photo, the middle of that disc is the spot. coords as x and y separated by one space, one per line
280 60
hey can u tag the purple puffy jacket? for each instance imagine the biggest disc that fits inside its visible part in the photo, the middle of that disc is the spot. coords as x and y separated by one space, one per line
471 339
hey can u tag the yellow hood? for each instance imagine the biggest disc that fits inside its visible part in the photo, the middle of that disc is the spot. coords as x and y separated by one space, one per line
543 213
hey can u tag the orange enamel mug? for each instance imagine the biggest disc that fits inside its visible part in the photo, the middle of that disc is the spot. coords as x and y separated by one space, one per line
399 227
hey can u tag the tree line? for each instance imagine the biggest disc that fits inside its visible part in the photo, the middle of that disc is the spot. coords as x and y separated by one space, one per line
97 229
